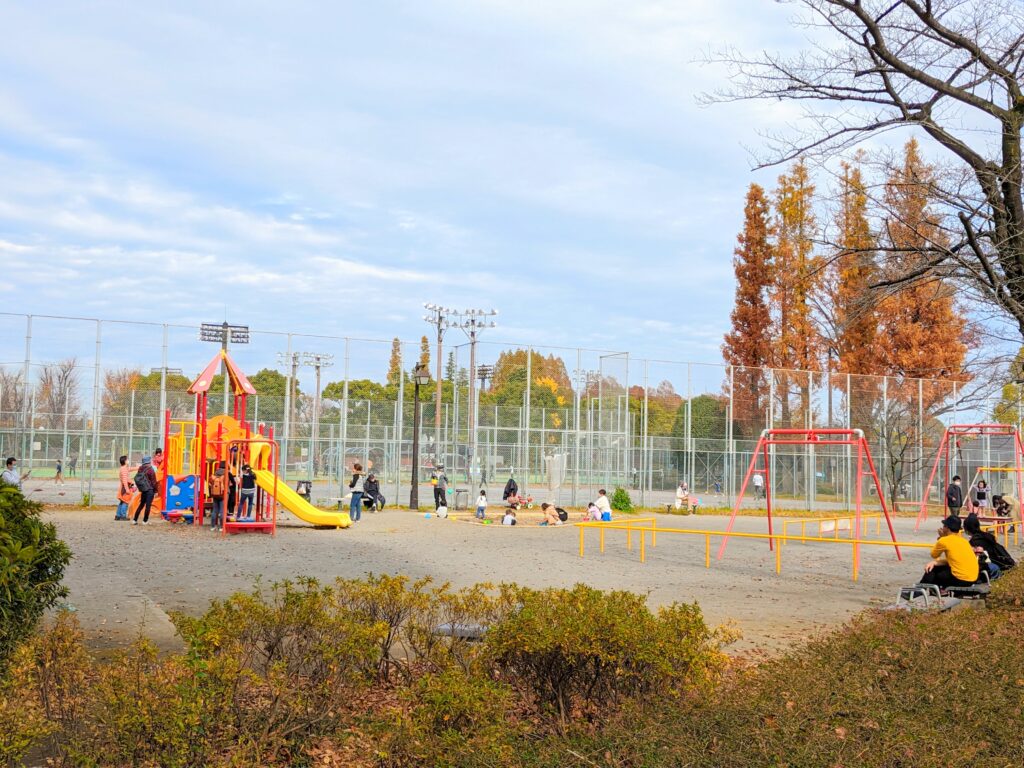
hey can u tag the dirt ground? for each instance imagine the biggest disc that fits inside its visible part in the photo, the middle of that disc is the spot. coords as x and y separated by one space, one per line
124 579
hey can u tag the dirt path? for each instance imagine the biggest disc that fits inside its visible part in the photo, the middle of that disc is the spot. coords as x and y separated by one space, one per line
124 579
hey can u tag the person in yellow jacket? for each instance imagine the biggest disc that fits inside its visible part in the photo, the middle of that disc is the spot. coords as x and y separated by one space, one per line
959 567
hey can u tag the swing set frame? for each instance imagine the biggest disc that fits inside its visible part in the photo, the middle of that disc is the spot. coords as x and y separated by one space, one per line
951 438
865 466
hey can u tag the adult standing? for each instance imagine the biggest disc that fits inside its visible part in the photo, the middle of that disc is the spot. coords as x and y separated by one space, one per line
124 489
145 483
72 465
10 474
954 497
355 507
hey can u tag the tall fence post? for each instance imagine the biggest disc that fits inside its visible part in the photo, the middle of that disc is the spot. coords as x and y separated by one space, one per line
344 421
286 432
644 459
730 454
688 437
526 435
25 386
163 377
96 406
396 449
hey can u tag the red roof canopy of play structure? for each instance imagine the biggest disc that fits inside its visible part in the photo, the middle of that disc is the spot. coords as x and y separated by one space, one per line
239 383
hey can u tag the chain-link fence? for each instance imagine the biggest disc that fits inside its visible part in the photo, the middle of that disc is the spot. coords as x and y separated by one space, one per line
562 422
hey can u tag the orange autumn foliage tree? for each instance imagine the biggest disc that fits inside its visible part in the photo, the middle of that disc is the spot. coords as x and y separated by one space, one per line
748 346
854 307
798 278
922 333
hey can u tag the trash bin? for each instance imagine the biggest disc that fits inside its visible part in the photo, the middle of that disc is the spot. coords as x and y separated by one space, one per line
304 489
461 499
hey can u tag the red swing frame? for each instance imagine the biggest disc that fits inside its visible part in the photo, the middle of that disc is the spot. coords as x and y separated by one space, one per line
803 437
954 432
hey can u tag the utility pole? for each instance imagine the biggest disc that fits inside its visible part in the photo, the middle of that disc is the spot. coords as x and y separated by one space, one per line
473 322
317 361
440 318
289 359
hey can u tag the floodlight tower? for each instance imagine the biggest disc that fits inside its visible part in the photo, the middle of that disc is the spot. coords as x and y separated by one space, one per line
222 333
317 361
473 322
441 318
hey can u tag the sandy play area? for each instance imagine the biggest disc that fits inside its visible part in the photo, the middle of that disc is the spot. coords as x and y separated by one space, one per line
124 579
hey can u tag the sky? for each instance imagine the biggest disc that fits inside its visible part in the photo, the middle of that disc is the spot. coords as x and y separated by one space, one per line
330 166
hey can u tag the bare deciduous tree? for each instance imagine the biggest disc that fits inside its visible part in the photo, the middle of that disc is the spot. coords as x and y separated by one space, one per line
58 393
948 67
12 397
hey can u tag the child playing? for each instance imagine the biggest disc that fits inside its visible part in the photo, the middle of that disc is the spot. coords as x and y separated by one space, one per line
481 505
509 518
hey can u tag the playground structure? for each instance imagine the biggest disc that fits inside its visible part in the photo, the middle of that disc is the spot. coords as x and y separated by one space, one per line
811 440
951 451
196 448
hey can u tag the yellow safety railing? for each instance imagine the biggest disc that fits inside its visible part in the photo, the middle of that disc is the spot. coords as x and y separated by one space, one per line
652 528
1002 528
836 522
630 525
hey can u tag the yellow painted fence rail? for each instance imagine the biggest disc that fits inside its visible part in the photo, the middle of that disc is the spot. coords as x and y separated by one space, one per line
650 526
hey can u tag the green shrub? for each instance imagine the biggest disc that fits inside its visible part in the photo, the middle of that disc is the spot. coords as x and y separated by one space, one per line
32 561
620 500
588 650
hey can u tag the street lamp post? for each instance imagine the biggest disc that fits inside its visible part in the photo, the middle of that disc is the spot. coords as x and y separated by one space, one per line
318 361
440 318
420 377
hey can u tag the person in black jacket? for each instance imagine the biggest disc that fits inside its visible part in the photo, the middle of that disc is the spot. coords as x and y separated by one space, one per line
146 483
985 541
511 489
954 496
371 493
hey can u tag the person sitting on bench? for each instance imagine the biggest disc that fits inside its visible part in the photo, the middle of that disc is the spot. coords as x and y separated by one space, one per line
960 566
985 542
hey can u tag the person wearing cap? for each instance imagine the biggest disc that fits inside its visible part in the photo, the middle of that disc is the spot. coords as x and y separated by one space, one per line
959 567
954 496
146 494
